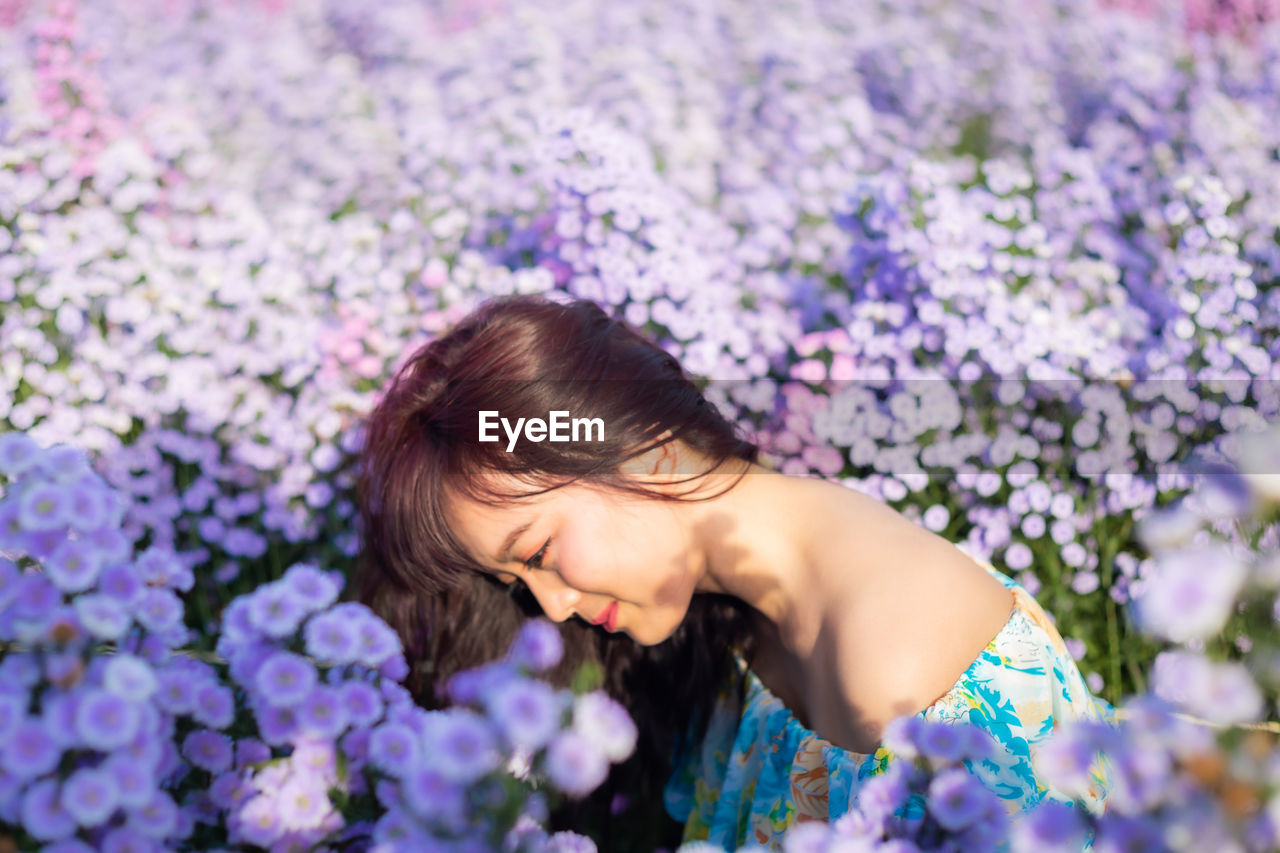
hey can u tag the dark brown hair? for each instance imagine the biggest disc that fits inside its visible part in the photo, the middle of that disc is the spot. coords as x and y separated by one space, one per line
525 356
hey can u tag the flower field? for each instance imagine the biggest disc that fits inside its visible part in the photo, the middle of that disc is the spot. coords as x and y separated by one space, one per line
1011 267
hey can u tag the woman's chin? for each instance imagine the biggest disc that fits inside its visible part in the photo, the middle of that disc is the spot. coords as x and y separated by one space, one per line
646 635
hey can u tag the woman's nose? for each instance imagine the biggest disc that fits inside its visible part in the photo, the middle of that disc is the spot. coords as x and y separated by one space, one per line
554 596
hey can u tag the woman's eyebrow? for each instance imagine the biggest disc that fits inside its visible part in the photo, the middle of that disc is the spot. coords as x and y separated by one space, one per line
504 556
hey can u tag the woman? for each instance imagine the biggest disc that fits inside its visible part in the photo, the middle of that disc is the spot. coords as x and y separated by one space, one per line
762 629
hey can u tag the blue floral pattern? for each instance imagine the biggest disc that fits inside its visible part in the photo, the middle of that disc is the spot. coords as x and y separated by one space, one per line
760 771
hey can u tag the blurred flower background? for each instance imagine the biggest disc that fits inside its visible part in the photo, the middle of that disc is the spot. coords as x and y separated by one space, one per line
1011 267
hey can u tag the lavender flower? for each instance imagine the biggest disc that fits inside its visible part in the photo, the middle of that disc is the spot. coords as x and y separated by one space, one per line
43 813
89 796
29 751
208 750
275 609
537 646
395 748
258 822
106 721
1191 593
330 636
528 714
463 745
285 679
957 799
322 713
575 764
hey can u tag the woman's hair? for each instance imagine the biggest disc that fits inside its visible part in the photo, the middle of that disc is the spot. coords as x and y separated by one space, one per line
527 356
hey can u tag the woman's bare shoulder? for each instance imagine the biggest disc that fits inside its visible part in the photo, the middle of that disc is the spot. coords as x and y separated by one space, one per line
908 612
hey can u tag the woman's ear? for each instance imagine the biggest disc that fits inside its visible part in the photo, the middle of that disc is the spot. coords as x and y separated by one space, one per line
661 463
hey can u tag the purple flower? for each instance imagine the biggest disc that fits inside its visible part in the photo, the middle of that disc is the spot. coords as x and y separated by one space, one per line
537 646
74 565
159 610
575 765
277 724
176 693
250 751
90 796
464 747
285 679
945 742
18 454
527 712
322 713
275 610
214 706
43 813
394 748
1191 593
902 735
377 641
229 790
397 830
30 751
314 588
90 503
1052 826
362 702
64 462
43 506
157 818
957 798
1220 692
330 636
259 821
882 795
106 721
431 795
159 566
208 750
120 583
35 598
133 781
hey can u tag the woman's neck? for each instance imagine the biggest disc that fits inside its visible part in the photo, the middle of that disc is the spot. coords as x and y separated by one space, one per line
756 539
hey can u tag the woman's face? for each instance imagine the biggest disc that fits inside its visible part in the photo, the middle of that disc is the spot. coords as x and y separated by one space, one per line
580 550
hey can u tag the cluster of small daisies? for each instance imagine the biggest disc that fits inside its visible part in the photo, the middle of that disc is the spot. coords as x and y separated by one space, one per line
116 735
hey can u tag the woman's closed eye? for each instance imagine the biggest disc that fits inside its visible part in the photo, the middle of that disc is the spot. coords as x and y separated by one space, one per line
535 562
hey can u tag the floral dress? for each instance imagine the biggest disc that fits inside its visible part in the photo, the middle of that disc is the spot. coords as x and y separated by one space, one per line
759 771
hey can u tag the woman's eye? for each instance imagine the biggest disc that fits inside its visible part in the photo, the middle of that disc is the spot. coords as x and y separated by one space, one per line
535 562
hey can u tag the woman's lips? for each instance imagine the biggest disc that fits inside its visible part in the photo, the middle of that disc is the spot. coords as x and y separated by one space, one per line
608 617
